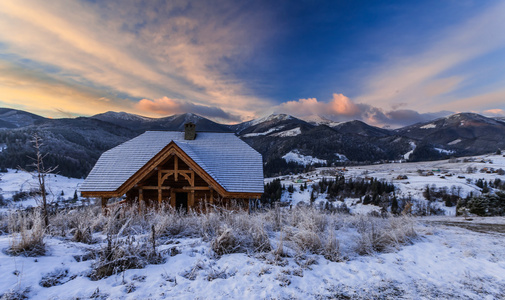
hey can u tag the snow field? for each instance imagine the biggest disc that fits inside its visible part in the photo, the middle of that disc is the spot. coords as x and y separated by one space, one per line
295 156
440 262
295 241
14 181
446 174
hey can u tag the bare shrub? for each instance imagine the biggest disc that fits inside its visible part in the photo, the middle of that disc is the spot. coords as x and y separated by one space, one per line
177 223
15 294
81 223
217 274
379 235
260 240
307 240
331 249
82 235
226 242
27 231
56 277
4 223
192 273
246 235
121 254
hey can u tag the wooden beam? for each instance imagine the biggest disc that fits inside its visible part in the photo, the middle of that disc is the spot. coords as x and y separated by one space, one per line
176 167
187 177
167 175
153 187
180 171
100 194
242 195
196 188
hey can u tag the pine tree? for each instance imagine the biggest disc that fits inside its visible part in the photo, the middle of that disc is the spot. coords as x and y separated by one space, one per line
312 197
395 209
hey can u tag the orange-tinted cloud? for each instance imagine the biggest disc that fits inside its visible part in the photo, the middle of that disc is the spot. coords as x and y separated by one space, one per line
43 94
339 105
340 108
342 105
495 112
116 48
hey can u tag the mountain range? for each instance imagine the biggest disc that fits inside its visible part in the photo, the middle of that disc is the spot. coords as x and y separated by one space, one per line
288 144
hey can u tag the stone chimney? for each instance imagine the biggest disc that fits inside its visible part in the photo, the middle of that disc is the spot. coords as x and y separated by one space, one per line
189 131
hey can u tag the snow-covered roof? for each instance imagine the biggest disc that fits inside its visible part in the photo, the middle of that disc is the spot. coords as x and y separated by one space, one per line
231 162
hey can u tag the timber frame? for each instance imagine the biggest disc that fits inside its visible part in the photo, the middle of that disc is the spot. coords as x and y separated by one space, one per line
169 172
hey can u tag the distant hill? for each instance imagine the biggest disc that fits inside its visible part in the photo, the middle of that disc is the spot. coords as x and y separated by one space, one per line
75 144
13 118
172 123
361 128
456 135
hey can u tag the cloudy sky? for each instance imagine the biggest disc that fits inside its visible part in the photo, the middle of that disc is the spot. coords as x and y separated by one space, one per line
383 62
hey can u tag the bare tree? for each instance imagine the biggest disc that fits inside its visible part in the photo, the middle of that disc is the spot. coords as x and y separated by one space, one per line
40 172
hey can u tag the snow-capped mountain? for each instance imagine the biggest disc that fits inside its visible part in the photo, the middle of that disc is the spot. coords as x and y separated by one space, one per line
458 134
320 120
262 122
75 144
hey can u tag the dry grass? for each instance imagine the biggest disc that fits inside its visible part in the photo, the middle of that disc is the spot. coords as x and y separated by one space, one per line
304 230
122 254
132 237
27 232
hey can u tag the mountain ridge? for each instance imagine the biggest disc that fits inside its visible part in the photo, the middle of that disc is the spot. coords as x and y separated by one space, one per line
76 143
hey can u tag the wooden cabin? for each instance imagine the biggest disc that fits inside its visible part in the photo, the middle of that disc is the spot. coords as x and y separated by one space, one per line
188 170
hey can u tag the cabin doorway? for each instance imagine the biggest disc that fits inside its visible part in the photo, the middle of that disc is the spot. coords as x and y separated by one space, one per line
181 202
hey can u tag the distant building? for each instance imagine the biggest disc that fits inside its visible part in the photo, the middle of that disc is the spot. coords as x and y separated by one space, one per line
184 169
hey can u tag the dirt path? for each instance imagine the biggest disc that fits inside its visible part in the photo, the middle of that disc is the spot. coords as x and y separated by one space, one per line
477 227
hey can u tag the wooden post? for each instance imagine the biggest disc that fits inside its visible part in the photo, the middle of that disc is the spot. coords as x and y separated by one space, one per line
211 196
176 167
104 202
192 199
141 199
172 198
159 188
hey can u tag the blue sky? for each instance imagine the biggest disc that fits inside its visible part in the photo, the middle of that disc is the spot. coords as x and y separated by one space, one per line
388 63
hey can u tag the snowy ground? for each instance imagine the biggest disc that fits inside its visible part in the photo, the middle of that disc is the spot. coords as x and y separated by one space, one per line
446 262
452 175
452 258
15 181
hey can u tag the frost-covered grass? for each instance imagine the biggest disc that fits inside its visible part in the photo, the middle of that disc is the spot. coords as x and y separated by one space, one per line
283 254
125 239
